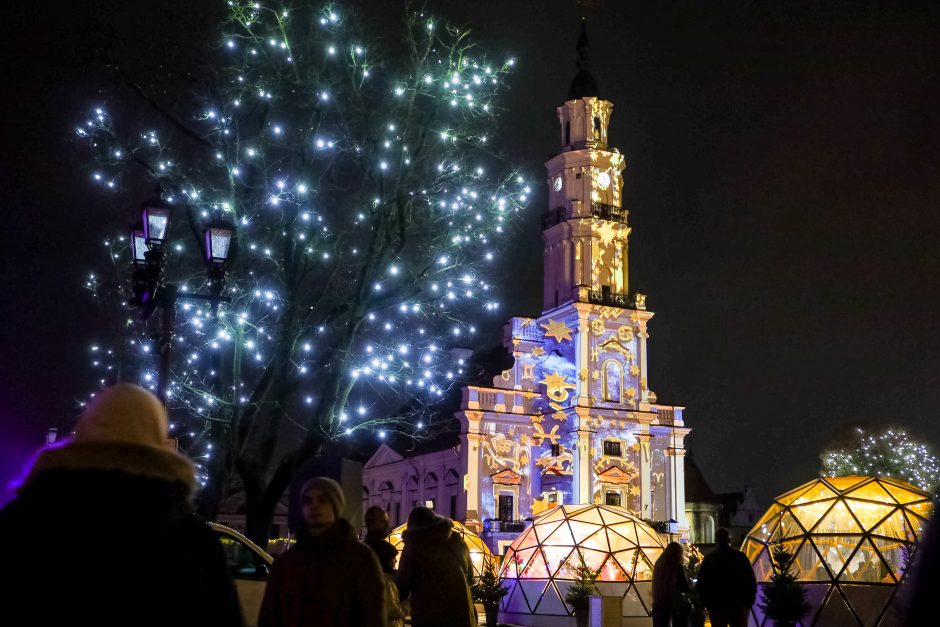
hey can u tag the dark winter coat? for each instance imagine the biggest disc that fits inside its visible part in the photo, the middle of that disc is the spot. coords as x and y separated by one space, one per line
83 545
328 580
669 582
433 571
384 551
726 580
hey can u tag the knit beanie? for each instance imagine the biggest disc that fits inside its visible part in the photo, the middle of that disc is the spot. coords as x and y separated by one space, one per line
331 489
124 429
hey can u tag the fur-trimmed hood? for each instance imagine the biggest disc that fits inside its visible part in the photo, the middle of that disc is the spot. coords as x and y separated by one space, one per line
437 531
132 459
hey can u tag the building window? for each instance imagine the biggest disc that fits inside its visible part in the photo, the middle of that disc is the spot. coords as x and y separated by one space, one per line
553 497
612 498
556 449
597 127
613 381
567 133
453 506
504 511
612 448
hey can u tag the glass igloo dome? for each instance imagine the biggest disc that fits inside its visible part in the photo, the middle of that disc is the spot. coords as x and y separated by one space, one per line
849 536
538 567
480 554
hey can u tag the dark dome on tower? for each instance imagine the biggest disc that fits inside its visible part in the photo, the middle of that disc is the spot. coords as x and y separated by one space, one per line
584 84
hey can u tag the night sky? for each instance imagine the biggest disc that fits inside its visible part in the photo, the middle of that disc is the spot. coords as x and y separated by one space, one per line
782 181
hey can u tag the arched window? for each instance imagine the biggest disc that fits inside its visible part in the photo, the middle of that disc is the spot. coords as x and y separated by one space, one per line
567 133
613 381
597 127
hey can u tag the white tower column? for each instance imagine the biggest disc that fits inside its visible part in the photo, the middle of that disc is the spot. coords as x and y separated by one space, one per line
646 476
472 441
583 483
675 485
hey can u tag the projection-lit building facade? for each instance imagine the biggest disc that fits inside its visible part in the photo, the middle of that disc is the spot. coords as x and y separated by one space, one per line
573 420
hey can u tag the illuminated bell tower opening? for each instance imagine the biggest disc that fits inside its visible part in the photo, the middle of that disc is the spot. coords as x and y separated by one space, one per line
586 230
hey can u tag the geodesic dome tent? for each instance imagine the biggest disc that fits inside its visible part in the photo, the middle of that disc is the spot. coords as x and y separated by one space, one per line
538 567
480 554
849 536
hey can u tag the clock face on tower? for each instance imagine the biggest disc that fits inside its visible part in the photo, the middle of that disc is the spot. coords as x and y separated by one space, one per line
603 180
558 183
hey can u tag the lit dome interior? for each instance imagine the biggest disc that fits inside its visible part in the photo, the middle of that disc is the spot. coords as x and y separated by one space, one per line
849 536
480 554
539 564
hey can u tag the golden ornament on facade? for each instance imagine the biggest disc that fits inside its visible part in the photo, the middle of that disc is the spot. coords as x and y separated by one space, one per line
538 351
557 330
625 333
597 327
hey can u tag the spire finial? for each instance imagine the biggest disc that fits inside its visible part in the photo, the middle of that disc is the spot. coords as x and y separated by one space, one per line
583 83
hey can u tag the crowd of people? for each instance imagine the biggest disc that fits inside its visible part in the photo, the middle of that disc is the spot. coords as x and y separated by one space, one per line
73 557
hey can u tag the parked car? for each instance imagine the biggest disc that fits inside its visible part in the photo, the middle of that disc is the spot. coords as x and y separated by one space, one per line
249 565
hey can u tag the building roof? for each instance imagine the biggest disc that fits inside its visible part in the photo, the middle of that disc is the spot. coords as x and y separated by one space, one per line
697 489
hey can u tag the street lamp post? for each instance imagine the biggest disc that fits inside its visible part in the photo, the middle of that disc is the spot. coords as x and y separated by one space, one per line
150 291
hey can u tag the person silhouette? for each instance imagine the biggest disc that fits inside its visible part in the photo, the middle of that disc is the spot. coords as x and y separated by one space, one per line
726 584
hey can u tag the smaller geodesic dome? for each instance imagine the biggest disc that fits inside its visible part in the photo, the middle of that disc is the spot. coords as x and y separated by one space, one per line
538 567
480 554
849 536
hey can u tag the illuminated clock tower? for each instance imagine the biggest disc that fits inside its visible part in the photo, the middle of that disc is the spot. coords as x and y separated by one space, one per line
573 420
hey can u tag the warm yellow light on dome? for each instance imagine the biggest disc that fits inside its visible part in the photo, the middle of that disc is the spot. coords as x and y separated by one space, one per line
849 536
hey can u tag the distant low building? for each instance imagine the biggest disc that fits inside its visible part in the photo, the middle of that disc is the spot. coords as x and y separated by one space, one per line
702 506
740 511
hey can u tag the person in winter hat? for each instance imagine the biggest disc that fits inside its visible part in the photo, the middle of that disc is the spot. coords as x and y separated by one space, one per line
327 578
102 531
434 571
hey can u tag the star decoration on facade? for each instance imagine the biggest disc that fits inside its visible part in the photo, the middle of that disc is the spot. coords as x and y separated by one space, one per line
634 490
538 351
557 330
556 384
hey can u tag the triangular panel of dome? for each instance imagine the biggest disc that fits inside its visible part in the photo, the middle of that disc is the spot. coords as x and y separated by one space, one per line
864 566
554 514
551 603
557 556
515 600
835 613
816 594
917 523
522 559
527 539
622 535
903 495
838 520
561 536
872 491
845 483
923 509
868 513
611 571
597 541
818 492
752 548
895 526
892 553
535 568
643 571
611 515
868 601
582 530
633 604
533 589
563 587
627 561
788 497
809 514
762 566
646 538
588 515
836 550
767 526
544 530
645 590
809 564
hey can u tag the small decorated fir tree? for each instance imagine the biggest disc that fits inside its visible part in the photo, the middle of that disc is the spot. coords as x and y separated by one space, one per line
784 599
487 589
585 585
